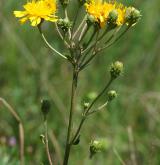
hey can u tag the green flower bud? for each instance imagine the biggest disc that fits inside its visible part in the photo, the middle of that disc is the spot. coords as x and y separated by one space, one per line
86 105
42 138
132 16
91 96
90 20
64 24
97 146
111 95
113 16
45 107
116 69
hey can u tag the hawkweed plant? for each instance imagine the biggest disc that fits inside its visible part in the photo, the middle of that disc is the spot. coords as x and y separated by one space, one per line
103 24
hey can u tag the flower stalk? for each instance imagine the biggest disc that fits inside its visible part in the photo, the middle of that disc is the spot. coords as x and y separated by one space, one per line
87 111
46 142
45 108
72 108
48 44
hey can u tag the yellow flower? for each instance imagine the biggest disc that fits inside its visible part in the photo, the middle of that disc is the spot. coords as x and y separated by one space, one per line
121 9
37 11
100 11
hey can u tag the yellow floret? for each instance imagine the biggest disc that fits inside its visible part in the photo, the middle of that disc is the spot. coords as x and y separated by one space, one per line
100 11
36 11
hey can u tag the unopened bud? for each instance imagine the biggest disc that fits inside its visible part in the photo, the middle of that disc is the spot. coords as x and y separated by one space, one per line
116 69
97 146
90 20
111 95
42 138
132 16
113 16
45 107
91 96
64 24
86 105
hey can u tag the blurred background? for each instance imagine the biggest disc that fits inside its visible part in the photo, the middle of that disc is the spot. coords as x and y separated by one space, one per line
30 72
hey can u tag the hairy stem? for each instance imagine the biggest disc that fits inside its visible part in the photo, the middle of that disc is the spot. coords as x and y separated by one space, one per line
73 92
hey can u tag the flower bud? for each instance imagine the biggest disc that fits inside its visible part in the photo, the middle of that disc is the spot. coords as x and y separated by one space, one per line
91 96
45 107
113 16
111 95
97 146
132 16
42 138
90 20
116 69
86 105
64 24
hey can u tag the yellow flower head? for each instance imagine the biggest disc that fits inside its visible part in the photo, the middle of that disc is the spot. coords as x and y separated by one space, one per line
121 9
100 11
36 11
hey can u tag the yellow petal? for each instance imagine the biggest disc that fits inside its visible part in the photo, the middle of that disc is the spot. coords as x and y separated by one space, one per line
52 19
19 13
101 19
23 20
36 21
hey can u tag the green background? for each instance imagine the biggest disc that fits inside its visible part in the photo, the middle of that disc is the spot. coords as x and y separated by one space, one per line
30 72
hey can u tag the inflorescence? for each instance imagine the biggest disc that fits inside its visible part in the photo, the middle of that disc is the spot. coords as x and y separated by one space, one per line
102 13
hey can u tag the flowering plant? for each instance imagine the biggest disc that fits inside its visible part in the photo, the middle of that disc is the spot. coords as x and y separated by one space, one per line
103 24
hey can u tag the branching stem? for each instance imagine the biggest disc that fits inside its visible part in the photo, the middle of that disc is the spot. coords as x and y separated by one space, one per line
87 111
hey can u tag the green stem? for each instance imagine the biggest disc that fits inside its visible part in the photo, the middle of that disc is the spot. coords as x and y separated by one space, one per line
117 39
98 109
75 19
87 112
83 32
91 38
78 130
92 56
73 92
79 27
46 142
100 94
48 44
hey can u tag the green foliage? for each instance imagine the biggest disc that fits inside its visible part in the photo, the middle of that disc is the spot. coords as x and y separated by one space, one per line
30 72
